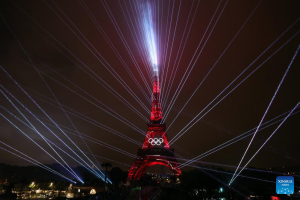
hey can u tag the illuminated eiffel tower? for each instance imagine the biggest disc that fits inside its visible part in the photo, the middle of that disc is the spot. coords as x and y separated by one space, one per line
156 149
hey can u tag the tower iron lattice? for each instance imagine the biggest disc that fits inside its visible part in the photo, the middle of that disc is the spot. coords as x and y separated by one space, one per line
156 149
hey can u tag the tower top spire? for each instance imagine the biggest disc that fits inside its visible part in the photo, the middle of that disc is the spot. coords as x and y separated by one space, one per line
156 114
156 149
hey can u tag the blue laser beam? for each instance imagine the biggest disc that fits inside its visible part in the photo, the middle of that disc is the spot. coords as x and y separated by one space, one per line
167 38
55 144
136 33
187 127
113 20
237 138
35 162
258 179
80 116
24 50
40 120
183 47
149 35
213 65
119 117
264 143
95 21
171 49
223 183
115 74
72 172
74 158
185 77
47 140
265 113
171 104
86 137
214 170
99 28
164 80
89 120
128 89
69 170
140 9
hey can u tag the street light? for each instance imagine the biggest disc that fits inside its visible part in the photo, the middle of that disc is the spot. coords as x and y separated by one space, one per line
32 185
105 164
221 190
93 191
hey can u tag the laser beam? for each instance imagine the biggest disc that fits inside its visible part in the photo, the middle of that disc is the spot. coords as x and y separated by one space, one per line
187 127
264 144
212 66
36 162
238 138
41 121
278 87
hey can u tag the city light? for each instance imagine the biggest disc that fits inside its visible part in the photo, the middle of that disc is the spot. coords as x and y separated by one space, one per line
93 191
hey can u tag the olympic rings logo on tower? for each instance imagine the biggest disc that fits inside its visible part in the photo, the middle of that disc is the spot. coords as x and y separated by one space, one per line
155 141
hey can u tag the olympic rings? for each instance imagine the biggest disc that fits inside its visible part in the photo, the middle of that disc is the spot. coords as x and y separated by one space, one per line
155 141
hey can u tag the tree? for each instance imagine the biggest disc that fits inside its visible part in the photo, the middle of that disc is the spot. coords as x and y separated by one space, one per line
117 175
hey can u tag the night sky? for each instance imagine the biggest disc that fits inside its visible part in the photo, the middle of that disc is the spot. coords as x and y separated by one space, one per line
57 52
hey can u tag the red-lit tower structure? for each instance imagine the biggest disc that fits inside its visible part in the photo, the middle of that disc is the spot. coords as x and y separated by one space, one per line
156 149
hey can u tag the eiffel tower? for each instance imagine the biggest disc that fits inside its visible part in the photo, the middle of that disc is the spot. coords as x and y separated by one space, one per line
156 149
